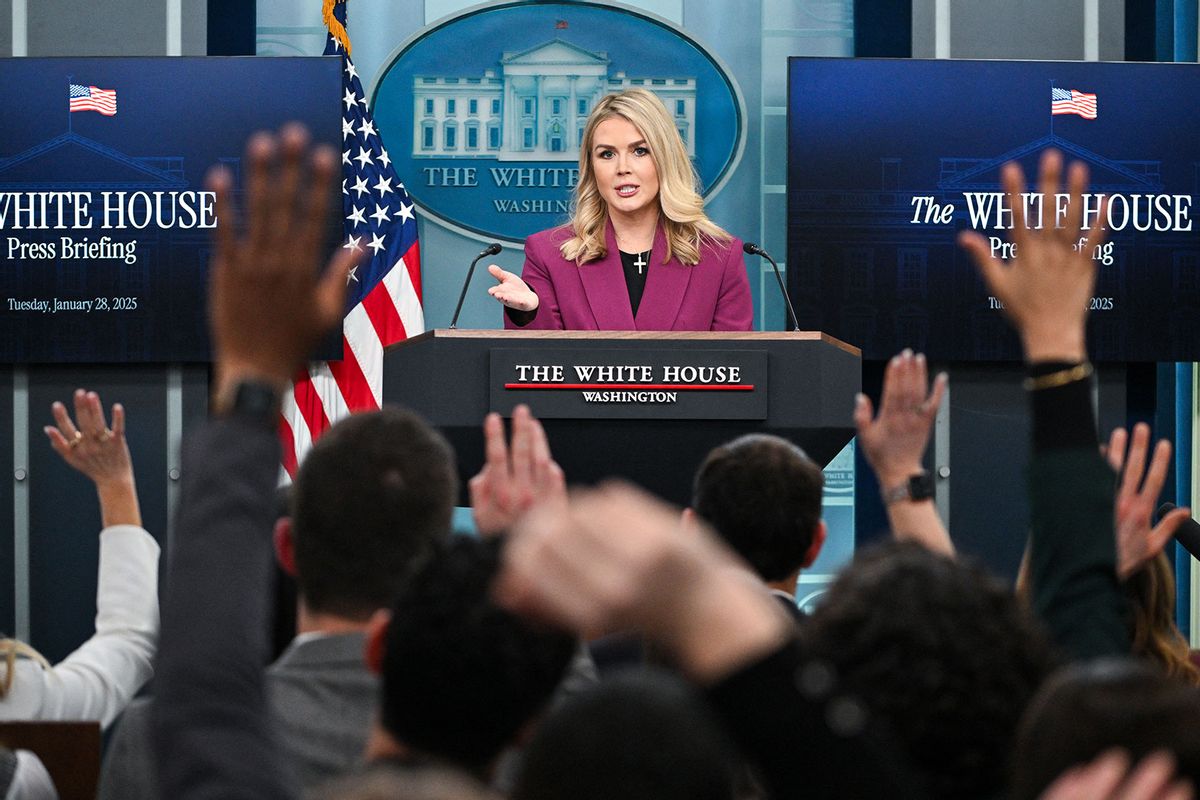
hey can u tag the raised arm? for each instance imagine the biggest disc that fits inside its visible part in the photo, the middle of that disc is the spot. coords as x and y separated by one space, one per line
894 443
98 679
1046 293
268 306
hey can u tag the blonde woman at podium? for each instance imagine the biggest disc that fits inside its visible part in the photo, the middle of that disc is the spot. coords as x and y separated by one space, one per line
639 253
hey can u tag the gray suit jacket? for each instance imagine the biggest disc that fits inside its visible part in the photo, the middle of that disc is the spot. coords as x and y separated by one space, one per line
321 696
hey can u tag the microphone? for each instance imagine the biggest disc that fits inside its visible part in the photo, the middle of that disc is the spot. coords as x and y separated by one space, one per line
491 250
752 249
1187 534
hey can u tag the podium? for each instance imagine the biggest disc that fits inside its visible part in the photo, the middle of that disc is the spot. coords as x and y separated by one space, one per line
646 406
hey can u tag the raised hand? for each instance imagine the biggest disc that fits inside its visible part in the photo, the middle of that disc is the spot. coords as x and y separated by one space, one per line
1137 497
98 452
267 300
514 479
895 441
511 290
1046 288
616 558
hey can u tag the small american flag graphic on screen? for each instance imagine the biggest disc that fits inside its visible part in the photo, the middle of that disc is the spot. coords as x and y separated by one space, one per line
91 98
1072 102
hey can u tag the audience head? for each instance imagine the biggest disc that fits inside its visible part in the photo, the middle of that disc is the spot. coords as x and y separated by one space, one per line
371 498
941 652
762 494
1151 593
462 677
1089 708
637 736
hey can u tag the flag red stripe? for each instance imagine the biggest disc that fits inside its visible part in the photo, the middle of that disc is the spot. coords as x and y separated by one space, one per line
412 262
351 380
308 402
287 441
383 315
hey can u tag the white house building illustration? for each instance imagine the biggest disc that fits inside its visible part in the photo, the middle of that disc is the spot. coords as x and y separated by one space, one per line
535 109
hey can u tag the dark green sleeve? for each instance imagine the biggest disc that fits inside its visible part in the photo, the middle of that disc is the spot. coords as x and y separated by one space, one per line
1073 556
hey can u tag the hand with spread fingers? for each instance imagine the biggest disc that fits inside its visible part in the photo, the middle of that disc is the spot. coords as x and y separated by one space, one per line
268 301
514 478
1137 497
98 452
1047 286
895 441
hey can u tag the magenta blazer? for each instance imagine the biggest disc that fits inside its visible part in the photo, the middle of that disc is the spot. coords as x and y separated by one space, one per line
713 295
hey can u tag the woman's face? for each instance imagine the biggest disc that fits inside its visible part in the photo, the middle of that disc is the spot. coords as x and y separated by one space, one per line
624 168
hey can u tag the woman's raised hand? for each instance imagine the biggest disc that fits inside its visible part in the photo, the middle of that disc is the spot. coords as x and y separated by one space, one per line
90 446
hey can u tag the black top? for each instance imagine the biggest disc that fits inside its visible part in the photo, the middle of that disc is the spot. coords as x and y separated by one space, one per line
637 267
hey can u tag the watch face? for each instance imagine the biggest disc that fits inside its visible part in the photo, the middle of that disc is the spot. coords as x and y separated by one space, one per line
920 487
258 400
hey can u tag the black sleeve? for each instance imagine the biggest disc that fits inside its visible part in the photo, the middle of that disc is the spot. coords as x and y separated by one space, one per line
1073 558
211 735
786 715
520 318
1062 415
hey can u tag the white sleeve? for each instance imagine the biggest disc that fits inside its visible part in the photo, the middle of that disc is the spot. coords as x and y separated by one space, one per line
99 679
31 780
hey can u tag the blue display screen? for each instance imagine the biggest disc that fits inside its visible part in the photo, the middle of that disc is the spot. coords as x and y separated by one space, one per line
889 159
105 223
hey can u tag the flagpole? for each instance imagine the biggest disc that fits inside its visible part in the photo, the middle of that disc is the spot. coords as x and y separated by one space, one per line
69 129
1052 108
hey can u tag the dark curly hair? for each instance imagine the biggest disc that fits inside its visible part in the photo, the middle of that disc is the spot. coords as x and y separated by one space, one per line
461 676
941 652
762 494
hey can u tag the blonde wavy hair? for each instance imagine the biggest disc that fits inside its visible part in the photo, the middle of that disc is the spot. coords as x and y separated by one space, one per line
1154 636
1151 593
681 208
10 650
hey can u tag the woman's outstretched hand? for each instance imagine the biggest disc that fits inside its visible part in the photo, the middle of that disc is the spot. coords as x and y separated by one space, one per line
511 290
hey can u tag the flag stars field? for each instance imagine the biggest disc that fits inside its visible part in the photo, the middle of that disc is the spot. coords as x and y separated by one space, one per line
383 303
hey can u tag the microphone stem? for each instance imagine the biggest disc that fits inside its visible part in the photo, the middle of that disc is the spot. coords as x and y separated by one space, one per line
782 290
463 295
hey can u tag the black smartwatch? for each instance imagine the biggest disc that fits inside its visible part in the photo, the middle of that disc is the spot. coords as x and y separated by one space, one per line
918 487
257 401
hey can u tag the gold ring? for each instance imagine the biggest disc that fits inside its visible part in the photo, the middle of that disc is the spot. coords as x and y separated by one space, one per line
76 439
105 435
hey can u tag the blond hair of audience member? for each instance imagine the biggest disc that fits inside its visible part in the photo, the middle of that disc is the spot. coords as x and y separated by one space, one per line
682 208
1151 593
1153 633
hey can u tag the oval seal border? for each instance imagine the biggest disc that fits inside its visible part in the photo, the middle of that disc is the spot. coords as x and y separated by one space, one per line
736 100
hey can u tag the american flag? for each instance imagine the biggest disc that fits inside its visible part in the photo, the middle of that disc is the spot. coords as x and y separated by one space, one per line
383 293
91 98
1072 102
